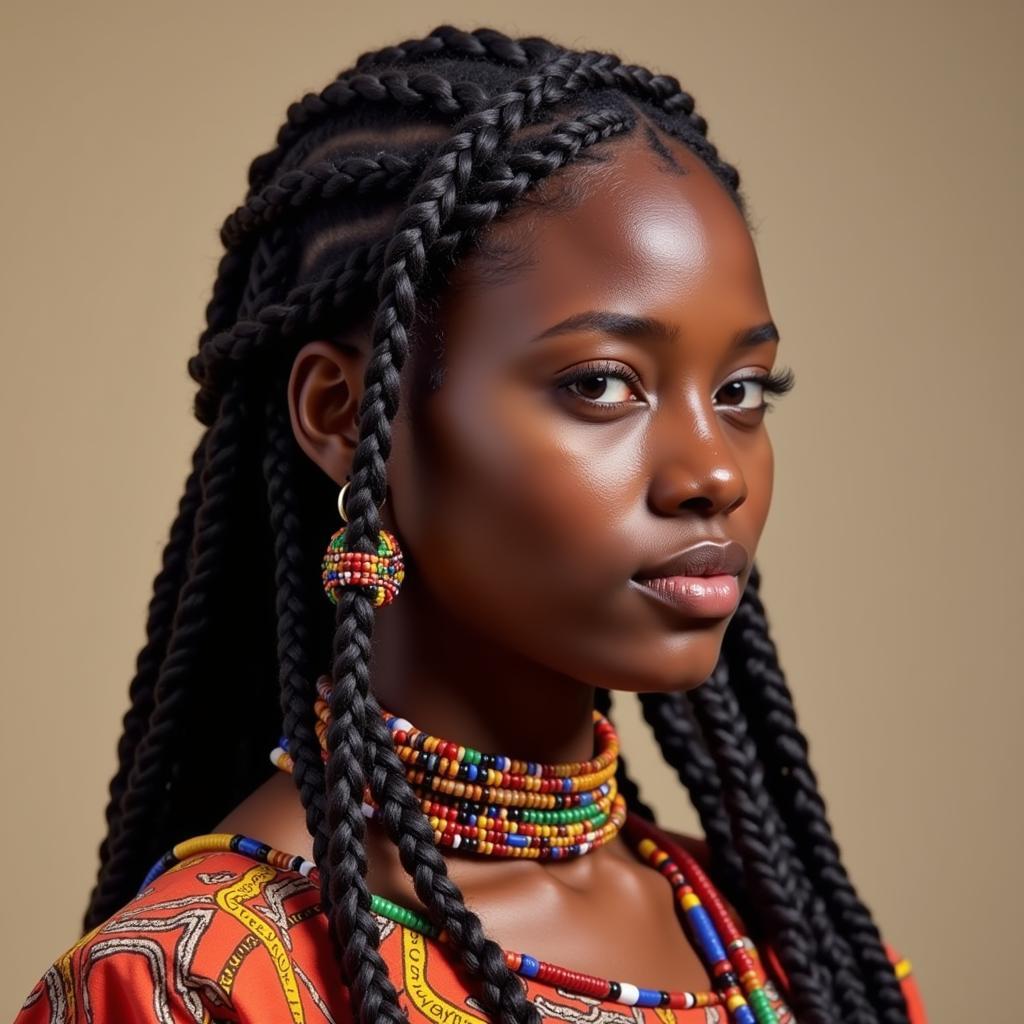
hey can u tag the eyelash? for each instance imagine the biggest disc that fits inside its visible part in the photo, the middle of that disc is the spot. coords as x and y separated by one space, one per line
778 383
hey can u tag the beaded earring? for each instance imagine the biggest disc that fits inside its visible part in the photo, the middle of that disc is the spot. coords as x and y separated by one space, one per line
383 571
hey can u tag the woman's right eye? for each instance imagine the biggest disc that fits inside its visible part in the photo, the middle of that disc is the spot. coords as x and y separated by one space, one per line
589 383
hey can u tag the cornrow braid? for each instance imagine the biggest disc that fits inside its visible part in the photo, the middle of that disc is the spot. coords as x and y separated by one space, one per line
321 182
285 278
451 41
394 87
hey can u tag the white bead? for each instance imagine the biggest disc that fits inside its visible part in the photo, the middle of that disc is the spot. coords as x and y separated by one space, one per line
630 994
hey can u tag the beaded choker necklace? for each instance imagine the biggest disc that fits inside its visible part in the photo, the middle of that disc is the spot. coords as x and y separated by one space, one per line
497 806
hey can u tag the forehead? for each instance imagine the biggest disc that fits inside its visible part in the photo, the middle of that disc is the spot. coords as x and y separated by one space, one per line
651 235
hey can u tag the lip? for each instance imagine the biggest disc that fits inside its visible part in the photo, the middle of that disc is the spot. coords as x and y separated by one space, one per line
705 558
701 580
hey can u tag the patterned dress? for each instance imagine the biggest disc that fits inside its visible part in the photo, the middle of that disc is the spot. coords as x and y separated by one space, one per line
222 937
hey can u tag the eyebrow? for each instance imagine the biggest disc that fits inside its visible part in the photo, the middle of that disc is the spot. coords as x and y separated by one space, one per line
625 325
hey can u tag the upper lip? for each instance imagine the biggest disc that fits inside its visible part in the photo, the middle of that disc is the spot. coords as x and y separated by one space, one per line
706 558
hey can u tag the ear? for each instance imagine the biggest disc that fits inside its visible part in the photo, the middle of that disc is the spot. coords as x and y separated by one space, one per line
325 389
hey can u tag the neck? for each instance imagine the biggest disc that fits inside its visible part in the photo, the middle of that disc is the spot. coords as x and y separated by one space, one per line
450 681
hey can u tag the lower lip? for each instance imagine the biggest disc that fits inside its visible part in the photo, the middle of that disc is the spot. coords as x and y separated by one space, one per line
707 596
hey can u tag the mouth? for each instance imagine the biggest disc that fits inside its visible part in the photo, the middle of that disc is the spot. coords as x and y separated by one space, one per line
710 597
702 580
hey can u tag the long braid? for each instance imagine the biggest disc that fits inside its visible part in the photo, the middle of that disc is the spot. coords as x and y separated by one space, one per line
682 746
769 876
340 842
835 951
294 645
764 695
160 695
166 589
137 843
671 721
408 827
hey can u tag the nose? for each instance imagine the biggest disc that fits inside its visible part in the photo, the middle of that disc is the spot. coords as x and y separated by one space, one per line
696 467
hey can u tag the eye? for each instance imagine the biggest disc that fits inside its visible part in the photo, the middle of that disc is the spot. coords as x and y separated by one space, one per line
599 380
747 393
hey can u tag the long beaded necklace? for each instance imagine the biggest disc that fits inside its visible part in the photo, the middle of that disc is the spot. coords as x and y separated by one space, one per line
494 805
749 1006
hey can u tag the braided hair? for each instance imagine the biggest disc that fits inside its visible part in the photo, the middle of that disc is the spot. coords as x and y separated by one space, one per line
375 187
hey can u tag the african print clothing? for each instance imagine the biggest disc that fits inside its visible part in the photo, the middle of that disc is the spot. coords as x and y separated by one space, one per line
222 937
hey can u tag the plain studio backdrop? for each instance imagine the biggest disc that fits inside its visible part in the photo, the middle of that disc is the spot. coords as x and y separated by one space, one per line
879 145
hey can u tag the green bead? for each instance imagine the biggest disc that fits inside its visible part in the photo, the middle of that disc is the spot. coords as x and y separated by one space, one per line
402 915
762 1007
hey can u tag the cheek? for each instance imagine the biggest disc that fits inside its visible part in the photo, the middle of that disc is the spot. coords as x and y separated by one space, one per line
509 510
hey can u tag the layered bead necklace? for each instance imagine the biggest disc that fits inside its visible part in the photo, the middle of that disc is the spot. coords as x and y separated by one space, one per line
496 806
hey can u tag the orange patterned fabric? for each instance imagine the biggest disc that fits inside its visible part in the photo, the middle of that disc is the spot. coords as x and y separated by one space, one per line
222 937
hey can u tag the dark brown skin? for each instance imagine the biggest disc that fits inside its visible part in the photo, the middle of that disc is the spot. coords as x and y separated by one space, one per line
524 512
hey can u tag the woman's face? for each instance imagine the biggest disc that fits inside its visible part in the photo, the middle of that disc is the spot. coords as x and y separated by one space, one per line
527 502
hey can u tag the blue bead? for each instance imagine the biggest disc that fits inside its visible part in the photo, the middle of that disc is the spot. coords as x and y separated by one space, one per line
252 848
648 997
153 872
471 772
706 934
744 1015
529 967
517 840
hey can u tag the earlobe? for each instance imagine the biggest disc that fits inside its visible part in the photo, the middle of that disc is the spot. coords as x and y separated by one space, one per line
325 388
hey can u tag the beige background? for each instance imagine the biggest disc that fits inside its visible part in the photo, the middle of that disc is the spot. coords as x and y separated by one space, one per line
880 148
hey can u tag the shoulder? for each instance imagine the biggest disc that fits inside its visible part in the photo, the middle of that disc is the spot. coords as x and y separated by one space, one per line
216 934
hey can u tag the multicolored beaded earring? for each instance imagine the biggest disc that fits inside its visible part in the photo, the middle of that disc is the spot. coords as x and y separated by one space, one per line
383 571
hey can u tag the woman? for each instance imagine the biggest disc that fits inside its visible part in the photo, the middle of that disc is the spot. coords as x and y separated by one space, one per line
560 496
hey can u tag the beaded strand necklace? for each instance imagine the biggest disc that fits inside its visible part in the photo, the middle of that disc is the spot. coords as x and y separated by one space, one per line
488 804
752 1010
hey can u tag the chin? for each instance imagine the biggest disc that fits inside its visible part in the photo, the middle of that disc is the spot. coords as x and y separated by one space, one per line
683 665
